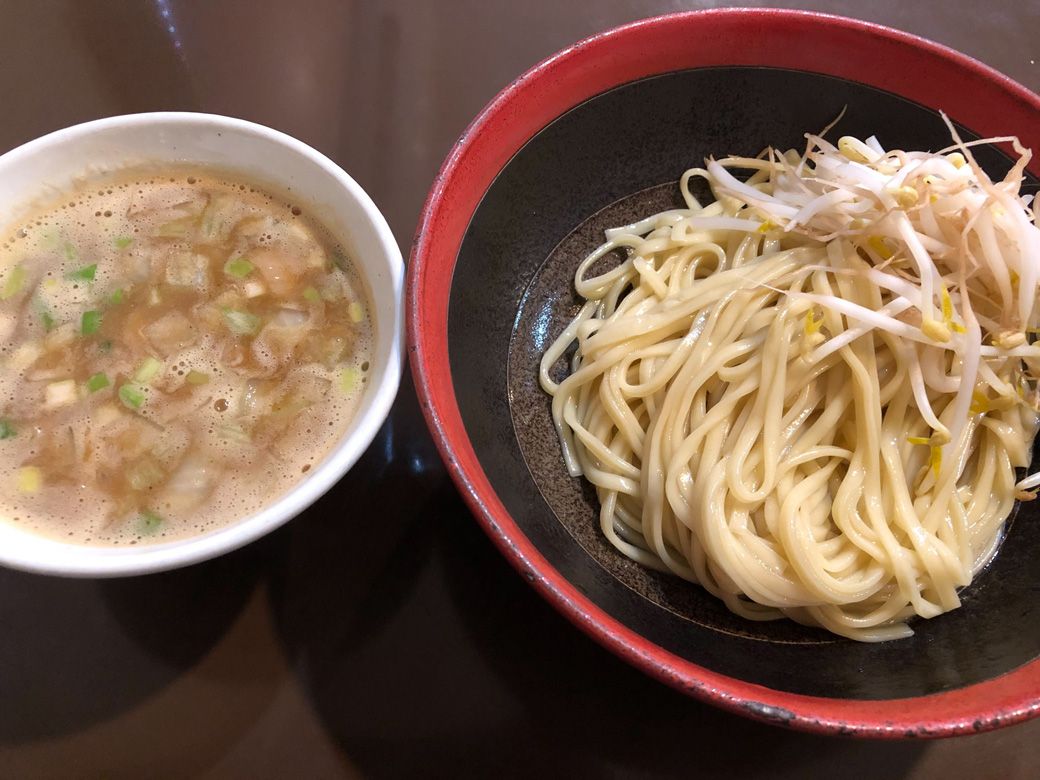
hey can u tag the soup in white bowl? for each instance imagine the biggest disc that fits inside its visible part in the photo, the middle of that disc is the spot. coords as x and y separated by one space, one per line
179 347
201 334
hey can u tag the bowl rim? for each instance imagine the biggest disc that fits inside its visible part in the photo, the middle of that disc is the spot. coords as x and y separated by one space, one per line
47 556
871 54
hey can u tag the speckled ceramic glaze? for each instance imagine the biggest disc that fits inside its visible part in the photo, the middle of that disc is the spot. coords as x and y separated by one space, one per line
609 158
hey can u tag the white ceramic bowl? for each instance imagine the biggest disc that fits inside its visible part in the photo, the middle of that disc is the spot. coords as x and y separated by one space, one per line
53 162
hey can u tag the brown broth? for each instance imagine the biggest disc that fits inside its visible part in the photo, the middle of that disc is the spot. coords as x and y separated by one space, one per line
179 348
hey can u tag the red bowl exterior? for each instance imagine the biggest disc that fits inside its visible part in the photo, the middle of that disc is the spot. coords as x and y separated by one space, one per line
970 92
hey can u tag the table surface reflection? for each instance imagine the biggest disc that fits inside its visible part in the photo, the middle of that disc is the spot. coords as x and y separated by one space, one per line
379 634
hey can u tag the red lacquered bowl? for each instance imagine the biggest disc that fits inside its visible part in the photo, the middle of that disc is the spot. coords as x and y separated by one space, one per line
598 133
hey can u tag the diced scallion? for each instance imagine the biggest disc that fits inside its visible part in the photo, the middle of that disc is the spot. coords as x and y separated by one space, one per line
289 408
211 216
70 250
239 267
348 379
178 228
144 473
312 295
45 314
194 377
84 274
116 297
122 242
233 432
58 394
148 370
14 282
356 312
98 382
7 431
132 395
30 479
148 522
241 322
24 356
90 323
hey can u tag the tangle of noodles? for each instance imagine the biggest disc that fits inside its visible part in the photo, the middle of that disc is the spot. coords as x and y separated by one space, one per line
812 395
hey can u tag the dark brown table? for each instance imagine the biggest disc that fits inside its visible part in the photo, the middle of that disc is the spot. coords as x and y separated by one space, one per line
379 634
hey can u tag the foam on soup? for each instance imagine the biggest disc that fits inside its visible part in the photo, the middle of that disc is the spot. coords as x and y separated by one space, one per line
179 348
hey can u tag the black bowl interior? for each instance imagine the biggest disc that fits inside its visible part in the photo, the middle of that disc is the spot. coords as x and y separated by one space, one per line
611 160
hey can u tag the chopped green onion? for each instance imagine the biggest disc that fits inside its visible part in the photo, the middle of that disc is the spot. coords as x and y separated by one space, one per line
196 377
211 221
178 228
312 295
289 407
148 370
98 382
148 522
70 251
356 312
14 283
122 242
239 267
90 323
58 394
144 473
30 479
234 432
131 395
116 297
84 274
7 431
45 314
241 322
339 257
348 379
